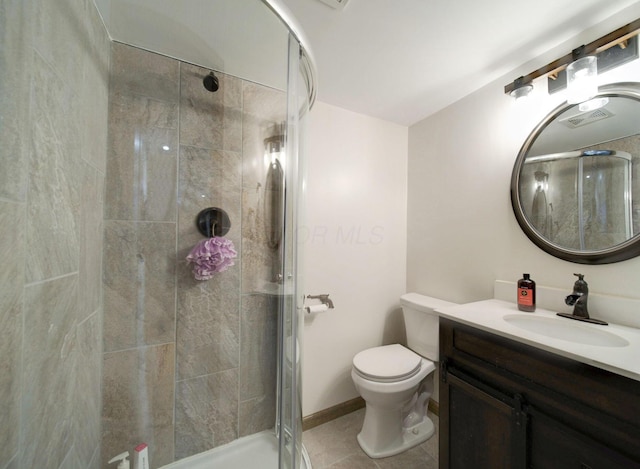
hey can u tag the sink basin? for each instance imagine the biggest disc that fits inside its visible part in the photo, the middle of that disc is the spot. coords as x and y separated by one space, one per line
566 330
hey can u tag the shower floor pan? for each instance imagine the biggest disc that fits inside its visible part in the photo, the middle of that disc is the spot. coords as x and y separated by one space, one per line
258 451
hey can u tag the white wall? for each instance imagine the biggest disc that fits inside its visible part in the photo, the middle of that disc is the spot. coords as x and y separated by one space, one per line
453 226
354 245
462 231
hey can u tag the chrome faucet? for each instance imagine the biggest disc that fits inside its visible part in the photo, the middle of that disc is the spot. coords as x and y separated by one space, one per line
578 299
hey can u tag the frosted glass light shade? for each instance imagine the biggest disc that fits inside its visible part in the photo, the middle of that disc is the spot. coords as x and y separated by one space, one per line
582 80
521 92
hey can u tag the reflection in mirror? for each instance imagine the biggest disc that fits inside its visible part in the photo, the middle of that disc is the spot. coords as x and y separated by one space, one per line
579 200
274 195
575 187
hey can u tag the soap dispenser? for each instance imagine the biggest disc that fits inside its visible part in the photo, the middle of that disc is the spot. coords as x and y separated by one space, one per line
124 462
526 294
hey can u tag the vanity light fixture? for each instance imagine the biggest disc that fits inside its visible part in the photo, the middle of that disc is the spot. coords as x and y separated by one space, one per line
582 77
520 89
576 61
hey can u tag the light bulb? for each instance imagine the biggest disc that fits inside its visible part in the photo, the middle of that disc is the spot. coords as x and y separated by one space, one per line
582 80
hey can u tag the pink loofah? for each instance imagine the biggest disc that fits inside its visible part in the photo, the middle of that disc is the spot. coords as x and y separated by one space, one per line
211 256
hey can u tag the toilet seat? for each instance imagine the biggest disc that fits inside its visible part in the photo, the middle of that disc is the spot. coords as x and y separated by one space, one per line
387 364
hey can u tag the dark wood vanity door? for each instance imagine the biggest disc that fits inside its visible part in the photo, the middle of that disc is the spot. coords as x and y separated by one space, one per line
553 445
507 405
490 433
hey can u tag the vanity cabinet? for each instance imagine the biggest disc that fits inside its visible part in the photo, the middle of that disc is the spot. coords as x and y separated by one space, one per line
507 405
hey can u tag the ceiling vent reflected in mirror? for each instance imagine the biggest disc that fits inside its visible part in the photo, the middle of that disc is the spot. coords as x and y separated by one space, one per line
586 118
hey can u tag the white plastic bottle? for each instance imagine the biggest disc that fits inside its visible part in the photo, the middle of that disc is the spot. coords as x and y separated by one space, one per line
124 462
142 456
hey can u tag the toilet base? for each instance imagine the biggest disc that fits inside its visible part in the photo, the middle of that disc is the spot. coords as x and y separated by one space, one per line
409 437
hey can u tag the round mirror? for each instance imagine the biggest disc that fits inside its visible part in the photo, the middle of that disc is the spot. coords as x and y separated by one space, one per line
575 187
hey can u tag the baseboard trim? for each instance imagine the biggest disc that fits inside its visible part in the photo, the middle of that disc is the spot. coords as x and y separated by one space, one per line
339 410
332 413
434 407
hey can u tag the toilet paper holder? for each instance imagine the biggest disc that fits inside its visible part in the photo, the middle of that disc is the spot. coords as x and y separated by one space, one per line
324 299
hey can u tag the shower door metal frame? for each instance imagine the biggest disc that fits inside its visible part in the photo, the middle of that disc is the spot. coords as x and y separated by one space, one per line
290 306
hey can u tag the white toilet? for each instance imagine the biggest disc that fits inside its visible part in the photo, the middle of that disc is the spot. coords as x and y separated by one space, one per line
396 383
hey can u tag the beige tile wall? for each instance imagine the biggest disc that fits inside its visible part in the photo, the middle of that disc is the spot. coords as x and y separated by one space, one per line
184 361
54 63
189 365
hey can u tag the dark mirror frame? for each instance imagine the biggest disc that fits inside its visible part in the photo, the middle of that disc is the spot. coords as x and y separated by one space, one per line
617 253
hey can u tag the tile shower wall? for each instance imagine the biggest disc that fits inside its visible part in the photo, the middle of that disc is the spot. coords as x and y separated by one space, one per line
608 219
188 365
54 66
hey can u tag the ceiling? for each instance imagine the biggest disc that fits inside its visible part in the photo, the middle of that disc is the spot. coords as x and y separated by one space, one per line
404 60
400 60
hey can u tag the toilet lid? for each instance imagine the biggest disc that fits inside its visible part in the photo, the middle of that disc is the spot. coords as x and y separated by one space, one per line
387 363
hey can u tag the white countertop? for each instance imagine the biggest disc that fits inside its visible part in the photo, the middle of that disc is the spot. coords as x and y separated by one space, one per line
488 315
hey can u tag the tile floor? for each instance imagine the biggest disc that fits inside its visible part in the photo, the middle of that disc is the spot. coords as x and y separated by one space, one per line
333 445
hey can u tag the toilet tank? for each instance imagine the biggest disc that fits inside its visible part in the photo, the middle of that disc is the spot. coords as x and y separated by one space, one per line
421 323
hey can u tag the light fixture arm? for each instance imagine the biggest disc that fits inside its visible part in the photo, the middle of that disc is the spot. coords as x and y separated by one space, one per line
521 88
619 36
578 53
519 82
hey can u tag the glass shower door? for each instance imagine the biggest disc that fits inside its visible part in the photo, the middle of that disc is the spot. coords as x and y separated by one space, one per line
289 412
604 200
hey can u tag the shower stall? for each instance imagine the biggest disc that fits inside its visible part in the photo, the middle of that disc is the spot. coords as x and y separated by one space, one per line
125 147
580 199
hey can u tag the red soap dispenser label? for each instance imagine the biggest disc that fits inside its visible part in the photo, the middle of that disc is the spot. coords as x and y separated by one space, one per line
525 296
